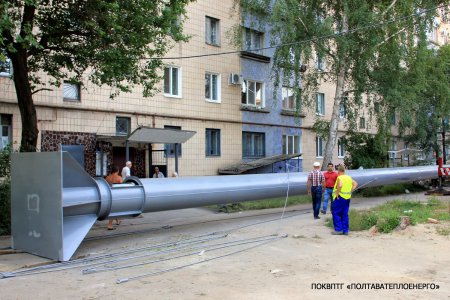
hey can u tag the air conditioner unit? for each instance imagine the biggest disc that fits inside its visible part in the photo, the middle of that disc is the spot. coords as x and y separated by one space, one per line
234 79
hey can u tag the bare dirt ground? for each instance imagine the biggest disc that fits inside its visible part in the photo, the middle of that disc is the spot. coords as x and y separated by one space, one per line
284 268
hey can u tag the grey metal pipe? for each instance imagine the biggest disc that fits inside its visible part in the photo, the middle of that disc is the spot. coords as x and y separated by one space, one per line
51 220
177 193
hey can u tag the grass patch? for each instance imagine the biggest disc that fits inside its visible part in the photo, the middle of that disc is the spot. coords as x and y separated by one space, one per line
267 203
387 216
395 189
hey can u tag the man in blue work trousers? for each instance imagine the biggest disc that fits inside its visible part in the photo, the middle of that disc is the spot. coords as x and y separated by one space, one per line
315 185
342 194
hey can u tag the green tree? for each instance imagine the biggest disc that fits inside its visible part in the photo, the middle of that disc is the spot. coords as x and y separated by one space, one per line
119 42
365 150
429 112
5 190
346 40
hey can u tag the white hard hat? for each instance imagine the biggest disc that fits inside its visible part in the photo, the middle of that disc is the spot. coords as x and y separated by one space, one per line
316 164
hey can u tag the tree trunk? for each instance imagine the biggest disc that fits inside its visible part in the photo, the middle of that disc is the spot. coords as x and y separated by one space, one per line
334 124
25 101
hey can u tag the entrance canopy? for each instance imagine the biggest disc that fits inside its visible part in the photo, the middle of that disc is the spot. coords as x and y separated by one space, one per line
143 136
160 135
149 135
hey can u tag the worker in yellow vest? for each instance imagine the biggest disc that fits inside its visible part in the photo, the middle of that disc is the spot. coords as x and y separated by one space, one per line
342 194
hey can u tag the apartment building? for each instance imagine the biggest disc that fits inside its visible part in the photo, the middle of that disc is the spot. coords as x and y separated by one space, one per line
195 97
225 103
270 127
440 32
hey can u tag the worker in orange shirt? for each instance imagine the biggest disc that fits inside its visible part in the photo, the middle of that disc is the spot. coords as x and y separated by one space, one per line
330 180
112 178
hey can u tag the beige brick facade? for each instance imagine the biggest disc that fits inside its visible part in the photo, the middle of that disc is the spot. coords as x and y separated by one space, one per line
96 112
309 136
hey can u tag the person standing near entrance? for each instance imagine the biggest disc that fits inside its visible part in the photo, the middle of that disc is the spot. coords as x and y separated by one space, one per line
315 185
330 179
342 194
126 171
158 174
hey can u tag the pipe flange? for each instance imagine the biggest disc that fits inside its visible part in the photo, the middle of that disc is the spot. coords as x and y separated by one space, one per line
105 197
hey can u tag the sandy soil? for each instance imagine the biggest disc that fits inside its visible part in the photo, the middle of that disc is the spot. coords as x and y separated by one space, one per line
285 268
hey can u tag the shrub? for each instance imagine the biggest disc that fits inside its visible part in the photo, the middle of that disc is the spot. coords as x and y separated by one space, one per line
267 203
369 219
5 207
356 220
395 189
5 191
387 216
388 221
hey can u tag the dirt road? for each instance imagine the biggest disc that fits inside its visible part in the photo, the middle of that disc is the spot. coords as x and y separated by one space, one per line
254 260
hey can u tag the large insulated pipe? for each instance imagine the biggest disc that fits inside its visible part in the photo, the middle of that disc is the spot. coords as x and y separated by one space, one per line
55 202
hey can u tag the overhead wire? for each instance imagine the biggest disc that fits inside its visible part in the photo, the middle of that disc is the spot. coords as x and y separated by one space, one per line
327 36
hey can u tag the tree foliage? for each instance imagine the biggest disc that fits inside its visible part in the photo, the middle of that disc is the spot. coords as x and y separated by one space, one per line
5 190
354 39
429 112
364 150
118 42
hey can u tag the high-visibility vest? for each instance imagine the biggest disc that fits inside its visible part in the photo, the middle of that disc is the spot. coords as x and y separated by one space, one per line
347 184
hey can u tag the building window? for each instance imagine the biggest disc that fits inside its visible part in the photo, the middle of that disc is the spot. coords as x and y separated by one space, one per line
406 156
290 101
212 87
253 144
392 154
175 26
123 125
172 81
170 148
212 139
253 41
292 56
342 107
362 123
101 163
291 144
320 63
253 93
320 104
6 130
5 66
341 149
393 118
320 146
377 107
212 35
71 91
